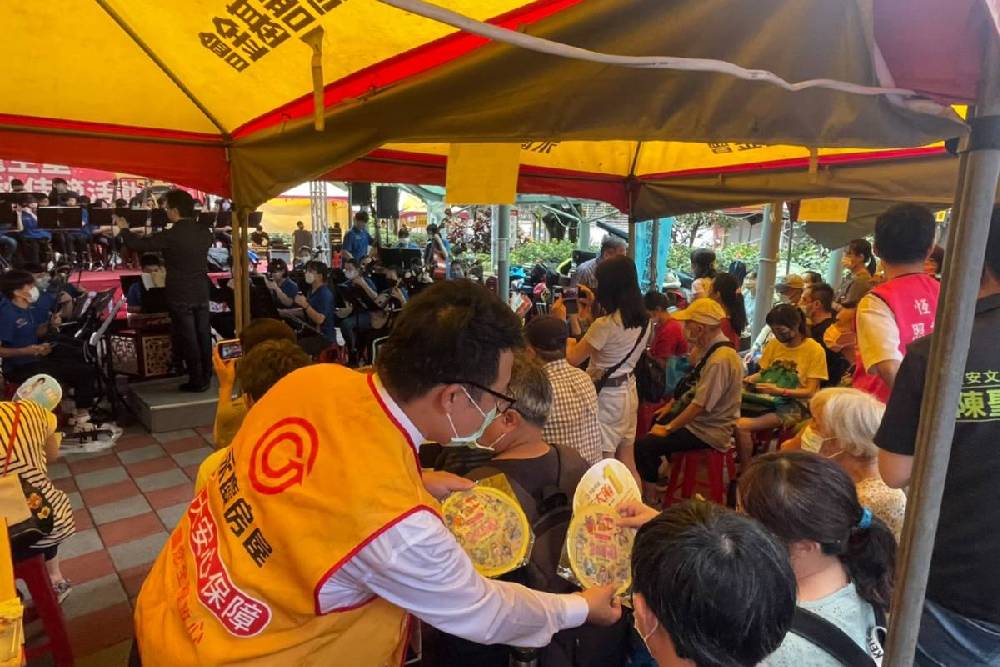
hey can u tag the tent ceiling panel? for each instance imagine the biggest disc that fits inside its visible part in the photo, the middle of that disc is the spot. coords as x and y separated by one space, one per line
500 93
69 60
357 35
192 74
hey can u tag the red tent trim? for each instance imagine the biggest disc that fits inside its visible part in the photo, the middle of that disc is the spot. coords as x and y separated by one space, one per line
15 122
799 163
402 66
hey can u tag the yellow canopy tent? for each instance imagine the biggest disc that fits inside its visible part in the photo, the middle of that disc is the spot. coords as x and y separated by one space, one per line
249 97
654 179
219 94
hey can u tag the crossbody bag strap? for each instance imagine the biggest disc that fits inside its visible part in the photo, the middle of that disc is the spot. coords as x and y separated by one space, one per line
13 436
611 371
827 636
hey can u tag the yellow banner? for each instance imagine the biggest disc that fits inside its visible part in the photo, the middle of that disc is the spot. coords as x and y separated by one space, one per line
482 173
830 209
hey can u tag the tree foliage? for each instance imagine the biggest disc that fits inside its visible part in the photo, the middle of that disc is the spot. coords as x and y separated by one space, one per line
530 252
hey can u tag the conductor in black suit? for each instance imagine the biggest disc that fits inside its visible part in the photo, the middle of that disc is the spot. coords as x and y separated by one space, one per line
185 252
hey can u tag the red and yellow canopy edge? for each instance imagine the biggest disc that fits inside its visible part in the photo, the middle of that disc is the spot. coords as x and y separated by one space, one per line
402 66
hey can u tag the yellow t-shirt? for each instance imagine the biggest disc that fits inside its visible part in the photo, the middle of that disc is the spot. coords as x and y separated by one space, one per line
808 359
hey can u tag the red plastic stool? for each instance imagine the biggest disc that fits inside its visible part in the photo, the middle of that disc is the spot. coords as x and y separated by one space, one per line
684 474
33 573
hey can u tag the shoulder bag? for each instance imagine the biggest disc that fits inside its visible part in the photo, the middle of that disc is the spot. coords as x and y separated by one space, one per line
600 382
28 514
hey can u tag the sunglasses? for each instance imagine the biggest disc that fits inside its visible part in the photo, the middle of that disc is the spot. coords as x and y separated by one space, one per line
504 402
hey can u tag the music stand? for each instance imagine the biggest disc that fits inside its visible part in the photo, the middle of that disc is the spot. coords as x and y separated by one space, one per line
57 218
21 197
403 258
101 217
135 217
224 219
8 216
357 297
207 218
154 299
255 218
158 219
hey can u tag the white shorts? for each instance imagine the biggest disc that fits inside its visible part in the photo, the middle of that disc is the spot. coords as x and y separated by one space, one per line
616 412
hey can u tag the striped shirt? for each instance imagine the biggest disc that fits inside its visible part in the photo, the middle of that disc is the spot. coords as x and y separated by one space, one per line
572 421
28 461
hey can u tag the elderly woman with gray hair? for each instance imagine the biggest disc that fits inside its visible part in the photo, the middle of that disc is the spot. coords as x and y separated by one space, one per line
843 427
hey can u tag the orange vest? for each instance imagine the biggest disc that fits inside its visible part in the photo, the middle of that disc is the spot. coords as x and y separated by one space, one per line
318 469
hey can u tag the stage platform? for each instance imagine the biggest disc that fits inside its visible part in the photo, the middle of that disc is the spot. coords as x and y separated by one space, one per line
160 406
98 281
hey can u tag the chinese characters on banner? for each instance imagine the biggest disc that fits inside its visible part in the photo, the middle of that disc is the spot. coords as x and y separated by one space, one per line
93 183
980 397
732 148
542 147
252 28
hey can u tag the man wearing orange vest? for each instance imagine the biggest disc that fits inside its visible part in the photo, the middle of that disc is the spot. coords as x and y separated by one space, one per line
316 536
901 309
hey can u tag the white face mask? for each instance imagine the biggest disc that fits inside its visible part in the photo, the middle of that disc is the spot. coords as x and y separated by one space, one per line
645 637
350 275
472 439
43 282
34 294
310 277
811 440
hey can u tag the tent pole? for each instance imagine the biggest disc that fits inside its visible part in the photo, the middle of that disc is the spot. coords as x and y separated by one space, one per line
633 238
945 371
834 270
502 230
770 246
240 268
654 249
791 241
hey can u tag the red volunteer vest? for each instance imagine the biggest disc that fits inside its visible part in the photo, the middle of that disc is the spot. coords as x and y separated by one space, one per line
913 299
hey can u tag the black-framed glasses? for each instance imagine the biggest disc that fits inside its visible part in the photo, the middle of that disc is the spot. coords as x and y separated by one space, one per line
504 402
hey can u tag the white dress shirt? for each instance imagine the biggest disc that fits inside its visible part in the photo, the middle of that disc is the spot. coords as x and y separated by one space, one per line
878 334
418 566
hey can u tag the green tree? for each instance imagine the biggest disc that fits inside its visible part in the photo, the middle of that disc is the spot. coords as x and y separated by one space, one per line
686 227
531 252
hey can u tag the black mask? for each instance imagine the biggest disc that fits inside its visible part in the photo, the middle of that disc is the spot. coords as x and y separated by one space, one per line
784 338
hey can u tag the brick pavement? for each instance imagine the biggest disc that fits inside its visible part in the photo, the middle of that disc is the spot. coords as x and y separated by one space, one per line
126 502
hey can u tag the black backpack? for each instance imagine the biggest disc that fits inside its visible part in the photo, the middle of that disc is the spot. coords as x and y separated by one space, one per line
552 510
